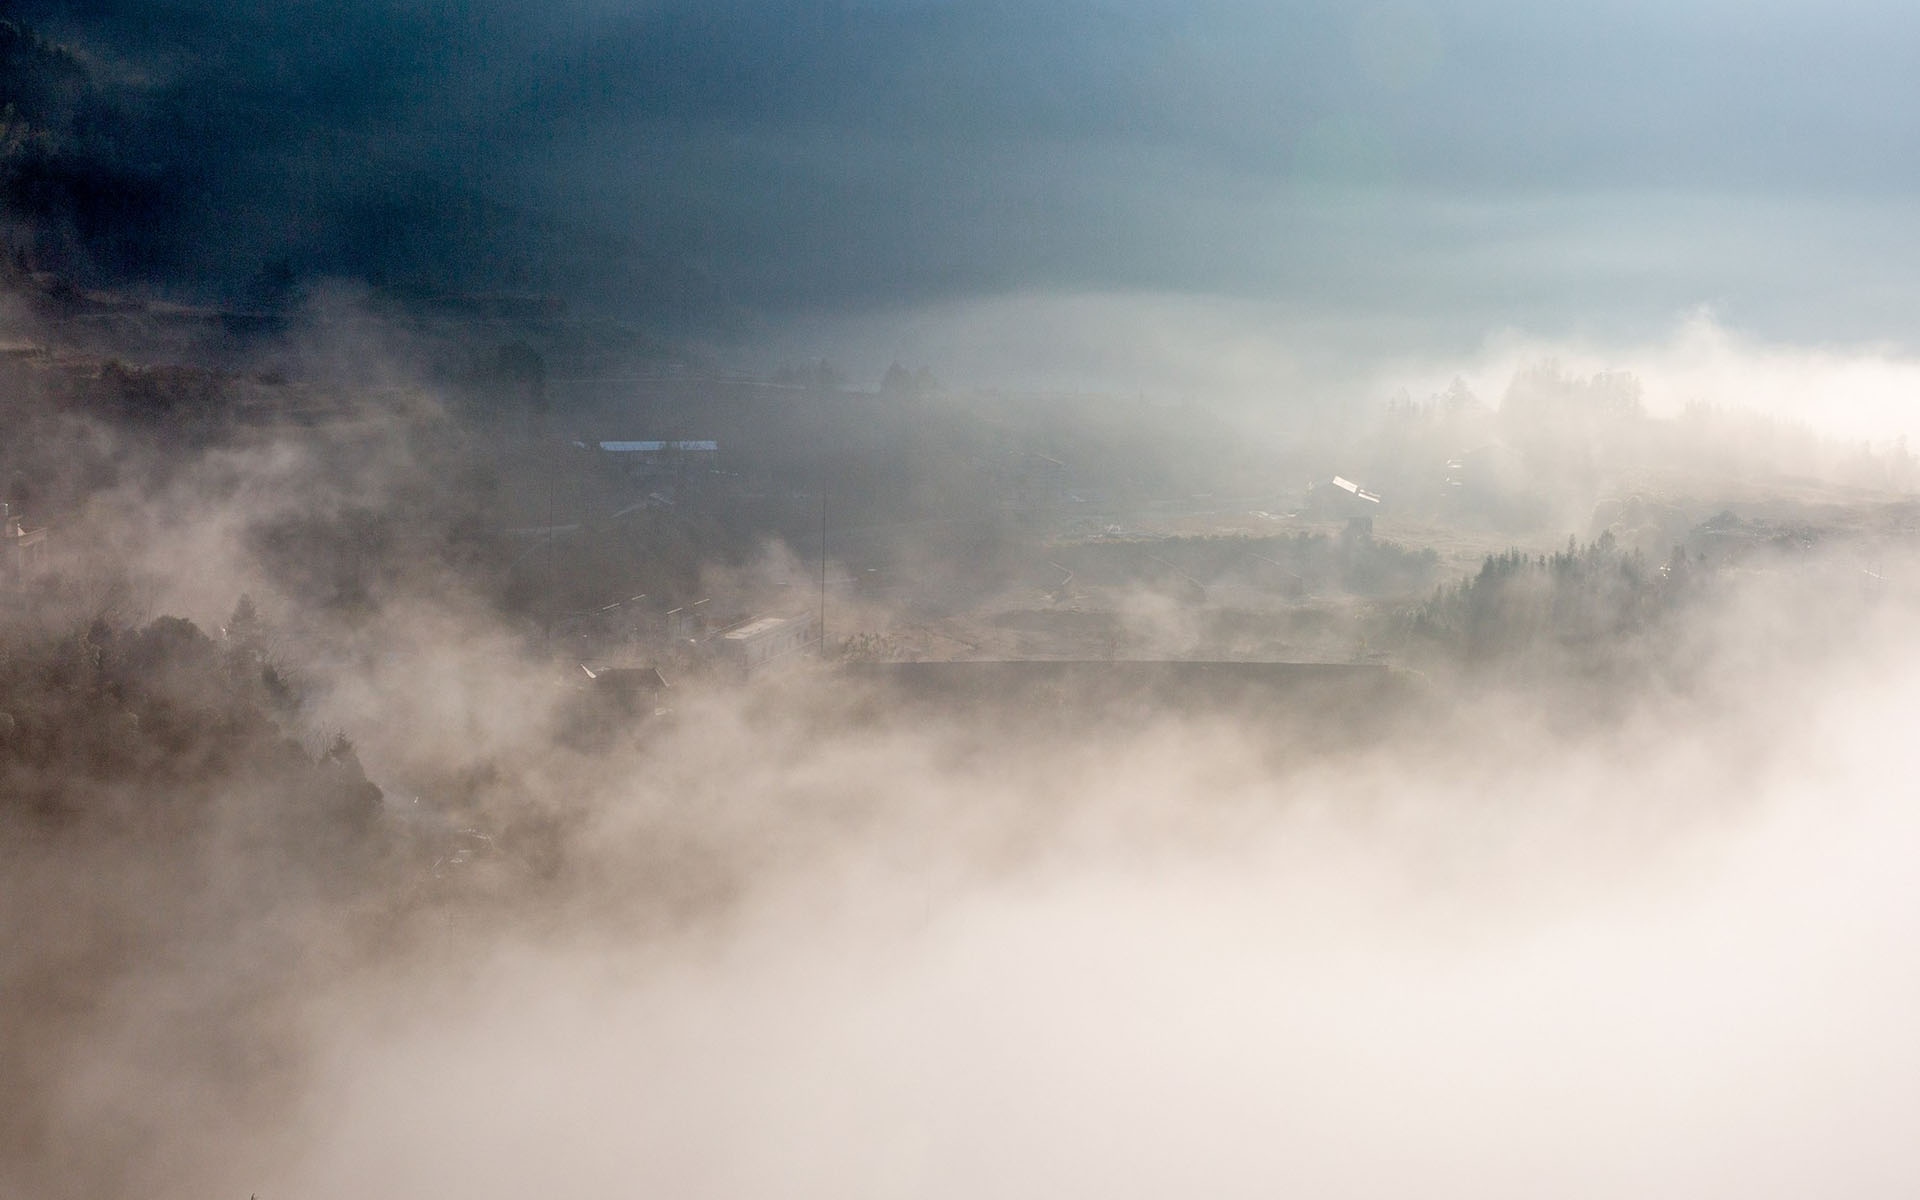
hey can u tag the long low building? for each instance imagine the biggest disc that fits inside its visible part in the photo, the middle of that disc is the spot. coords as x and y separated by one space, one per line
1334 699
657 450
765 640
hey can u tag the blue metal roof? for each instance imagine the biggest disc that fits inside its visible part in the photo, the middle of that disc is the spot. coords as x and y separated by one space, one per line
657 447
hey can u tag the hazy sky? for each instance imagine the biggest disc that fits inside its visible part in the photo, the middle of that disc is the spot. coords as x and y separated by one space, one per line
1465 165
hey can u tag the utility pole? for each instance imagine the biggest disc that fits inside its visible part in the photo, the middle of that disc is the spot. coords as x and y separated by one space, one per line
553 570
823 570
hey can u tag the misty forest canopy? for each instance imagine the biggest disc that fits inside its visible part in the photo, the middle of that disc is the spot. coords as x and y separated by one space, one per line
704 162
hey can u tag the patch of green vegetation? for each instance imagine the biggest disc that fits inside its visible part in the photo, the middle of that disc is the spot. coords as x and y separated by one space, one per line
155 723
1595 597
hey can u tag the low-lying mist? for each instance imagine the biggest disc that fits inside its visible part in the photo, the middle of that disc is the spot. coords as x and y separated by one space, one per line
336 892
1287 365
1667 955
809 942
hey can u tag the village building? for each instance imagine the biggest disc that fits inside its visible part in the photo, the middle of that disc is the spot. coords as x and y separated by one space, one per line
666 473
23 551
765 640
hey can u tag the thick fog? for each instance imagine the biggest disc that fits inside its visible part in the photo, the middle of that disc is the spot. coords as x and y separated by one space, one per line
1616 932
1666 955
1665 951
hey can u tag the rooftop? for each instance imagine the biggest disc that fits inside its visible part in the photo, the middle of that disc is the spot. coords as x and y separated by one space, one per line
697 447
754 628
